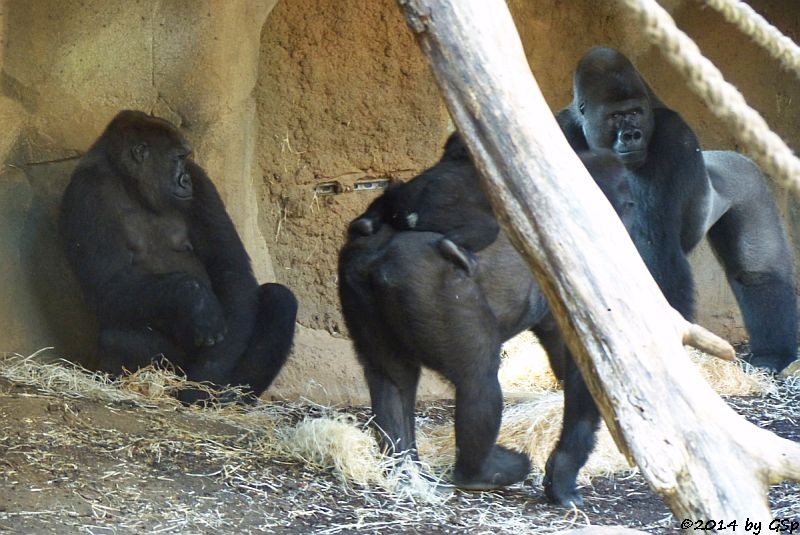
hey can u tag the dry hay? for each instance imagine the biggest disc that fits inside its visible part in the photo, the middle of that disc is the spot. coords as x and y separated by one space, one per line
533 423
333 441
327 440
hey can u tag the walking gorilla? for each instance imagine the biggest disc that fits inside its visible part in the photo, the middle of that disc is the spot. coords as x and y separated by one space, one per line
407 305
161 265
684 194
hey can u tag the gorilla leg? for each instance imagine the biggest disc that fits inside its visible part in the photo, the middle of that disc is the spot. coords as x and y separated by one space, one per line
393 391
581 419
553 343
751 245
260 356
480 463
131 349
758 267
271 341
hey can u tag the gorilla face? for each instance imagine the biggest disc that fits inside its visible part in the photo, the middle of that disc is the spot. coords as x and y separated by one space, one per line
161 171
614 106
624 126
150 155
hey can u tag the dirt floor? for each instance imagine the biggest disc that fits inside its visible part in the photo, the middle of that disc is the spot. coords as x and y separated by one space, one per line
76 462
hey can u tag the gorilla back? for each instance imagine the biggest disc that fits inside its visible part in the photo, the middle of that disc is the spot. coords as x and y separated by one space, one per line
406 306
162 266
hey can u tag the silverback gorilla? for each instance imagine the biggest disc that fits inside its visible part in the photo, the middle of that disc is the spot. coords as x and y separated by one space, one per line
407 305
682 195
161 265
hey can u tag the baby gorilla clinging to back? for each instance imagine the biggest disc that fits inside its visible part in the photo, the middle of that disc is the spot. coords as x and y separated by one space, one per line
446 198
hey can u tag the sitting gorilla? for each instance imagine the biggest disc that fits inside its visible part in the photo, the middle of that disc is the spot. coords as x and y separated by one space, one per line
407 306
161 265
684 194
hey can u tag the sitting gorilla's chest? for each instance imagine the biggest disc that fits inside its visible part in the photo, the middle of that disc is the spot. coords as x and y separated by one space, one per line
159 243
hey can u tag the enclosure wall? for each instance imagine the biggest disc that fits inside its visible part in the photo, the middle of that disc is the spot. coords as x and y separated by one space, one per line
278 102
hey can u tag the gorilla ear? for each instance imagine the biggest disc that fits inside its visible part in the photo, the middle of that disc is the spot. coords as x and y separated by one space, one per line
581 107
139 152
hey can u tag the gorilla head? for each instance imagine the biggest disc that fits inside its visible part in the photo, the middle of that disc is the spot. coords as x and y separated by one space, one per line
616 108
150 153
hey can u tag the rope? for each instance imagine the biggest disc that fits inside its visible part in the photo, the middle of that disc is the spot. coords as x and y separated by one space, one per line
762 32
764 146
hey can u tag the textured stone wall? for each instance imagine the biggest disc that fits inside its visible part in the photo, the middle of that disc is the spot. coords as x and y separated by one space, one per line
278 101
67 67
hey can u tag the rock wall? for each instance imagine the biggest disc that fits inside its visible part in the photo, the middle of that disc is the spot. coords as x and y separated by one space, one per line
67 68
278 102
345 95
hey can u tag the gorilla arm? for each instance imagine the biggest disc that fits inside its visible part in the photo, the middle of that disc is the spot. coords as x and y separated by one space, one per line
220 249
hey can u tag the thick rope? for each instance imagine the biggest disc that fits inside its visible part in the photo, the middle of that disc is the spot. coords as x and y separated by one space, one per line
764 146
762 32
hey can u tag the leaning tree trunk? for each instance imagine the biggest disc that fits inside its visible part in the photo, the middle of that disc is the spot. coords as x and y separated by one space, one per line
706 461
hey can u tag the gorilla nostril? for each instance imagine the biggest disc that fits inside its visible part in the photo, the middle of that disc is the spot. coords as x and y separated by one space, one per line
630 136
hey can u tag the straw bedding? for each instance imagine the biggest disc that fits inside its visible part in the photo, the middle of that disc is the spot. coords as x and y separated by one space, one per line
84 453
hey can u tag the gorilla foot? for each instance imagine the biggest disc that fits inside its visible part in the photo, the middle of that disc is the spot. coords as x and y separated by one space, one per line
364 226
458 255
772 362
503 467
559 487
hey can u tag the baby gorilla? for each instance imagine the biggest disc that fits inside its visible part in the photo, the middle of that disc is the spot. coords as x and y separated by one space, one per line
447 199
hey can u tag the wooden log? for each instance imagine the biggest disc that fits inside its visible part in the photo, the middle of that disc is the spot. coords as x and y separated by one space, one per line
706 461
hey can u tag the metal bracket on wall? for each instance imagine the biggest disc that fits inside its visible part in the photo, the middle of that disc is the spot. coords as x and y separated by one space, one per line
331 187
334 187
370 184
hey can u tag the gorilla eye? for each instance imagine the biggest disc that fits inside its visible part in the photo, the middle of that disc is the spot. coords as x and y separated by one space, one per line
581 107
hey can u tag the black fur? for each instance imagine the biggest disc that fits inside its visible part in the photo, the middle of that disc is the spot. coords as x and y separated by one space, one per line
446 199
161 264
682 194
679 193
407 305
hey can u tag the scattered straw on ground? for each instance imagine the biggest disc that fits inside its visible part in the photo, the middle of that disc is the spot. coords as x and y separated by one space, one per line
270 462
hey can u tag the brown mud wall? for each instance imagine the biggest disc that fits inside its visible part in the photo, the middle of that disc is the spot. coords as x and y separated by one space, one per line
280 101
